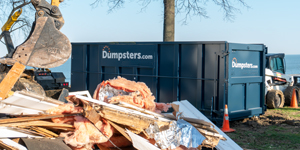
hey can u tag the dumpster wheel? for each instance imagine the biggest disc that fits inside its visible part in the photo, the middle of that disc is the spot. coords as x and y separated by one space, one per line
288 93
275 99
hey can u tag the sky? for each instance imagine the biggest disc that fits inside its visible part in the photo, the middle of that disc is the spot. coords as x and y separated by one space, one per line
274 23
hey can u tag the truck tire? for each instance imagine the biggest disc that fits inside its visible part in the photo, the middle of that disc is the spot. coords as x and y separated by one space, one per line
275 99
288 93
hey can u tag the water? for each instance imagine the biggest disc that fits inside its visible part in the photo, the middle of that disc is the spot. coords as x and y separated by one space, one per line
292 63
65 68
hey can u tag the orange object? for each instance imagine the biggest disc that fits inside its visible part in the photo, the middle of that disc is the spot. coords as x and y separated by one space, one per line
294 102
226 127
10 79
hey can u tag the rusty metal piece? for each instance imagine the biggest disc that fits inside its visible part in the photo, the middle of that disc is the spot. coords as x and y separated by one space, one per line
35 117
47 47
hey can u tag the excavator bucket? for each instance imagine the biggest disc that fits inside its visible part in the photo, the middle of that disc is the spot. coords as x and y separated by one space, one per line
46 47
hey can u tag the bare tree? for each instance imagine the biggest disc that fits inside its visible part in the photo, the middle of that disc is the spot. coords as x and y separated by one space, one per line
24 22
188 7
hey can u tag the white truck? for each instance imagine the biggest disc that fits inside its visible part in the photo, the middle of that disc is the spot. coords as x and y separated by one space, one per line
279 86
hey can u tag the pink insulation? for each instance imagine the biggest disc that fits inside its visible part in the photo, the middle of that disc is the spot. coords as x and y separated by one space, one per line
139 94
162 107
85 134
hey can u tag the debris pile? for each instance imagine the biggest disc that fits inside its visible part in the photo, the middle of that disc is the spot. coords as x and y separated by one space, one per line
122 113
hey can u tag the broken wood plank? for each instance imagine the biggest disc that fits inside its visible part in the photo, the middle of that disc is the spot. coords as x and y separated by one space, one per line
121 130
125 116
23 119
13 132
36 123
205 132
45 132
126 105
40 97
25 130
199 123
133 120
10 79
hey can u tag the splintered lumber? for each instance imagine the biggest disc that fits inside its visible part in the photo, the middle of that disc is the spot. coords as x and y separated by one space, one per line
125 116
44 132
24 130
121 130
36 123
126 105
38 117
205 132
10 79
14 132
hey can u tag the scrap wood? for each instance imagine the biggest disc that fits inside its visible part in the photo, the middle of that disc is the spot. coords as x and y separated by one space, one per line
94 117
121 130
30 101
11 109
126 105
205 132
14 132
125 116
10 79
25 130
44 132
134 120
38 117
197 123
189 110
8 144
40 97
36 123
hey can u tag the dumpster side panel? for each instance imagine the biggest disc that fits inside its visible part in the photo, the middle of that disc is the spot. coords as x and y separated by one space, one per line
245 80
191 68
78 67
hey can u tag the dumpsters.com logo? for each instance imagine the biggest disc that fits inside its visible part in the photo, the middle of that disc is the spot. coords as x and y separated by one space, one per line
107 54
235 64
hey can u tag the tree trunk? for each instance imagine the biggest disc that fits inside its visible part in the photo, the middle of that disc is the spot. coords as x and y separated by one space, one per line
169 20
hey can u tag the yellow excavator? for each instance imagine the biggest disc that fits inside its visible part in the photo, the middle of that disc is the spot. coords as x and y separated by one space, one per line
45 47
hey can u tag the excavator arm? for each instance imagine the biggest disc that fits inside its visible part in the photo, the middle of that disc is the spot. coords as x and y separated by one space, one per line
46 46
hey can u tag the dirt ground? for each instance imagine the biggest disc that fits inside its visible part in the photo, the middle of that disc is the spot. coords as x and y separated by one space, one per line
276 129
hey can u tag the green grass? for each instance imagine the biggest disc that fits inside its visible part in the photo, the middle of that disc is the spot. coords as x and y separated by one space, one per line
278 136
292 112
274 137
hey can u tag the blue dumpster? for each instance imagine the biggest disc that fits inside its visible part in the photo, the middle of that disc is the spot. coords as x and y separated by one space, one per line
208 74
